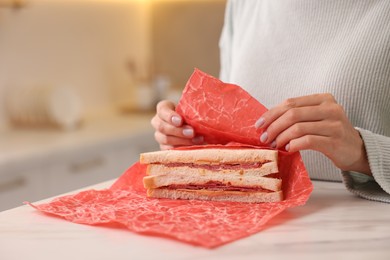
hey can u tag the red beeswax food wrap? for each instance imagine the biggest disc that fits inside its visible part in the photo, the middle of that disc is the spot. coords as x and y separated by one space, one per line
222 113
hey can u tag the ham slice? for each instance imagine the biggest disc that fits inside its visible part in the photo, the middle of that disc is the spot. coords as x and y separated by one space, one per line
218 186
218 167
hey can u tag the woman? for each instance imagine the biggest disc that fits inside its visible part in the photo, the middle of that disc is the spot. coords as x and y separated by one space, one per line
324 69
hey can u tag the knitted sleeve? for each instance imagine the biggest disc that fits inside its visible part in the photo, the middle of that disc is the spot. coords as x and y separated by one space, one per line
377 187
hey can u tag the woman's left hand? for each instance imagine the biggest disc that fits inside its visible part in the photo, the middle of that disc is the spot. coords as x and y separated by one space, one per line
315 122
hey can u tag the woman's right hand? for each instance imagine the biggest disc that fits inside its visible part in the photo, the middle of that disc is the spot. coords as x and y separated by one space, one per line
170 128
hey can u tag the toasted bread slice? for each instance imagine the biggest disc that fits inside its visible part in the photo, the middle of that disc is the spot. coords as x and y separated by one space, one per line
234 196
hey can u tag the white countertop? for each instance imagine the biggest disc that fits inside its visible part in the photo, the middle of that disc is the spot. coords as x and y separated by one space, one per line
334 224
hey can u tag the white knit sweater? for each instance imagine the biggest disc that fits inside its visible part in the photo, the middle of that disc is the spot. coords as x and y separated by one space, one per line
279 49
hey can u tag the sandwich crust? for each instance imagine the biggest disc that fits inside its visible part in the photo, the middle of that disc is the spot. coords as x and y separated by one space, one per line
235 196
209 156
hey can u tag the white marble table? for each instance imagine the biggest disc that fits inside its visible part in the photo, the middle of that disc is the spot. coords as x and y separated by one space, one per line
334 224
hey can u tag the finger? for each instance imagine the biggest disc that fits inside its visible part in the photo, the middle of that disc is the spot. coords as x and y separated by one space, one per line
320 128
290 118
168 129
176 141
311 100
197 140
310 142
164 147
163 139
166 111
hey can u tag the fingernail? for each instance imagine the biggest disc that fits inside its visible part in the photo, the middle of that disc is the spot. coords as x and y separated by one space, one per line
273 144
259 122
198 140
176 120
287 148
264 137
188 132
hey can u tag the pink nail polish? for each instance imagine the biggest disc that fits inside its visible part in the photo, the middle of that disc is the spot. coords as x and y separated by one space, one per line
176 120
259 122
188 132
198 140
264 137
287 148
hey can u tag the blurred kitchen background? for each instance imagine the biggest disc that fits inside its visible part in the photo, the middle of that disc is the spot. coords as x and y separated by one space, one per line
79 80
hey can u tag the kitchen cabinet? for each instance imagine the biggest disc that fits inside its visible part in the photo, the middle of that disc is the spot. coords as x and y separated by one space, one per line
35 164
17 185
94 164
88 167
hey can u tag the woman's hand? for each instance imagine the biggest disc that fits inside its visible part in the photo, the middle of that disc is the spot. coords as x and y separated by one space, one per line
170 130
315 122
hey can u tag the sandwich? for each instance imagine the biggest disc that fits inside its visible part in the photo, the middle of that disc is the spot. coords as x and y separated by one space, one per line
240 175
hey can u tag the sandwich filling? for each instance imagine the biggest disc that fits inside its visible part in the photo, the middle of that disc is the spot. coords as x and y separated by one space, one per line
217 167
211 177
216 186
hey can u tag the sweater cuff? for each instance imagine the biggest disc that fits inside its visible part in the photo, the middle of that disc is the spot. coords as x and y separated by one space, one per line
378 152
